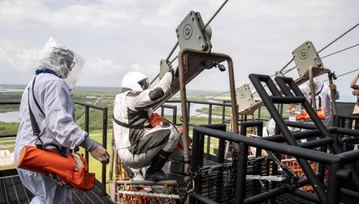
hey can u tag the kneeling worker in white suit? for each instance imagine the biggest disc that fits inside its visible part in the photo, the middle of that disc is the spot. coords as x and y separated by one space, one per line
139 145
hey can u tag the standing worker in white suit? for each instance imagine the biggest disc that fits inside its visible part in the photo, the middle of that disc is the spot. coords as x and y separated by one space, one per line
49 97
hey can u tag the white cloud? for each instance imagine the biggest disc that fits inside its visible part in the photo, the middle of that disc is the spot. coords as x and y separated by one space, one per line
17 59
116 36
102 68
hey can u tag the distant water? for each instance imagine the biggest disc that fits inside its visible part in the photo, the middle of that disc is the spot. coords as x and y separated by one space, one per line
12 88
10 117
193 110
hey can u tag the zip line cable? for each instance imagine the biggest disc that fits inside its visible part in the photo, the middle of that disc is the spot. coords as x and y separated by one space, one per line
331 54
286 64
340 75
328 55
339 51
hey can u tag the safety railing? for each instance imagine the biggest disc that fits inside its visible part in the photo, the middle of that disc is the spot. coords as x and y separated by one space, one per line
87 107
224 105
335 163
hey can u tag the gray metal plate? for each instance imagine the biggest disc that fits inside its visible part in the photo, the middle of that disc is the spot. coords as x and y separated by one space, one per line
306 56
190 34
244 97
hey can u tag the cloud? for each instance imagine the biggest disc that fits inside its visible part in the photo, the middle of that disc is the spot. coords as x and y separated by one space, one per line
115 36
17 59
102 67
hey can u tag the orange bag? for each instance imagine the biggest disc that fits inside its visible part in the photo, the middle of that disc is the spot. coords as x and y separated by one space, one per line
49 161
305 116
156 119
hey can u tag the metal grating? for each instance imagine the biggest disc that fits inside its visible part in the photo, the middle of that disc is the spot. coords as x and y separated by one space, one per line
218 182
12 191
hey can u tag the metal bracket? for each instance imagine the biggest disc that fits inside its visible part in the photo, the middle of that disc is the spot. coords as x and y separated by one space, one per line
306 56
164 67
191 34
277 178
244 97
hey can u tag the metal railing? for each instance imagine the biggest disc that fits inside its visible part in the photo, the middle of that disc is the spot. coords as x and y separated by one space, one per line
335 163
210 114
87 129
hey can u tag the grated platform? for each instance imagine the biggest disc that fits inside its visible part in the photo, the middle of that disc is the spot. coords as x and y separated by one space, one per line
12 191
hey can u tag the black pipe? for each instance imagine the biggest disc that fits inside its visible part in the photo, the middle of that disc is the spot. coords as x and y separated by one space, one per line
307 154
316 143
259 133
322 167
349 193
9 102
347 131
202 199
350 156
266 196
300 125
221 150
195 163
240 190
259 125
344 174
7 135
251 124
296 135
348 116
308 196
287 100
333 184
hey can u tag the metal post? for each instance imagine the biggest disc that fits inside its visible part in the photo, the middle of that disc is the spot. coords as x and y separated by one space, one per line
174 116
104 144
223 113
185 113
189 110
240 191
333 184
87 129
209 137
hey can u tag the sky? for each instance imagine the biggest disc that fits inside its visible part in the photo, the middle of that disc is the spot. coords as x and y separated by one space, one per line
118 36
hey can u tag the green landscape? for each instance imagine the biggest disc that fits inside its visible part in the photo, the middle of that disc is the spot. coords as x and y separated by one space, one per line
101 97
104 97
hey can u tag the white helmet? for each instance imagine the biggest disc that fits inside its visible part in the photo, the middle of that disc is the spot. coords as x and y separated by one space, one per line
135 81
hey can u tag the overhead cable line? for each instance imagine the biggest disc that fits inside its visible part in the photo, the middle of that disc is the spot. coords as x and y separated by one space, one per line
331 54
340 75
339 51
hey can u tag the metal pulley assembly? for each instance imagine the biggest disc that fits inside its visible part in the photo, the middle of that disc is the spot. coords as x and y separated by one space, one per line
306 56
192 33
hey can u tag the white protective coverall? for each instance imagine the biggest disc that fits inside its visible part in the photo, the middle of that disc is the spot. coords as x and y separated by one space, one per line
55 119
322 96
137 145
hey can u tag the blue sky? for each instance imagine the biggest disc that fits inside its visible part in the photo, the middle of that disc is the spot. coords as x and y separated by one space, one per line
117 36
